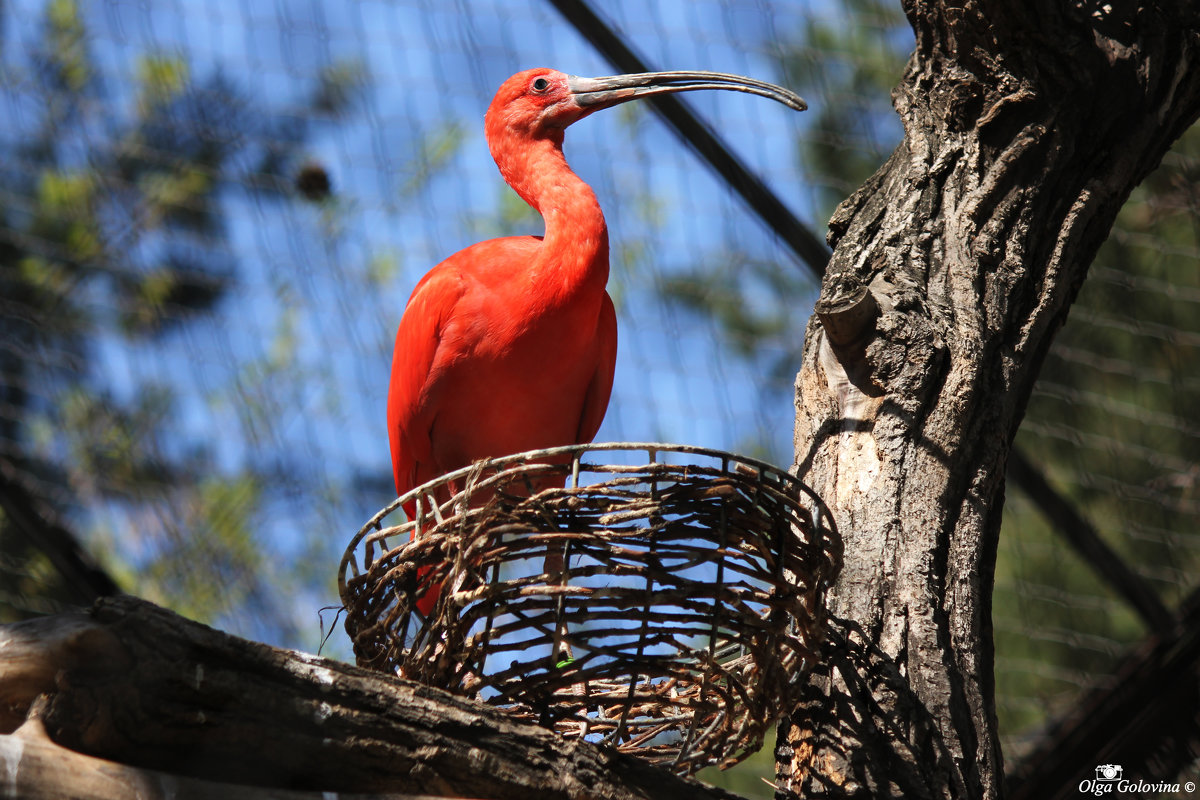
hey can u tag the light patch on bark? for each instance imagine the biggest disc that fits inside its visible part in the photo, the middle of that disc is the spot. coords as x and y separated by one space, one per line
857 455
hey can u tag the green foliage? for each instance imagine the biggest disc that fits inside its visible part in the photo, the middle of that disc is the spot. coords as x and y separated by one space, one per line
338 87
66 213
1112 423
161 78
171 292
211 559
750 778
752 300
1056 624
514 217
382 268
848 71
114 447
68 60
852 67
435 149
119 235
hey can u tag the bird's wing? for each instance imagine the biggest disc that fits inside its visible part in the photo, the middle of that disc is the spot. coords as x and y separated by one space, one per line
417 341
600 387
423 350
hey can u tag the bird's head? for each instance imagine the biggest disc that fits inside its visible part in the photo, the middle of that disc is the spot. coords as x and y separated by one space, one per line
541 103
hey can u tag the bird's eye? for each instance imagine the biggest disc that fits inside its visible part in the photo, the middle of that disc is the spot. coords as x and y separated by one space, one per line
541 85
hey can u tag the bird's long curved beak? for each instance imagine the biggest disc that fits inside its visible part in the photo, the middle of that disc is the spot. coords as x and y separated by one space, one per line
593 94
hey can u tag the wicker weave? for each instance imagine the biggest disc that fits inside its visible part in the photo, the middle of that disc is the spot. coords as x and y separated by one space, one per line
689 607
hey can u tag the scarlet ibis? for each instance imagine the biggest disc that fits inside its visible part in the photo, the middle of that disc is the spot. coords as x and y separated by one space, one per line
510 344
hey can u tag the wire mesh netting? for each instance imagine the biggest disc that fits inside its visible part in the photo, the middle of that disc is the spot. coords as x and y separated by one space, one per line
1112 422
212 213
178 131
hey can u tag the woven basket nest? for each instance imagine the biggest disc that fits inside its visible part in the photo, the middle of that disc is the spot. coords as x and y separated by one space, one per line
668 606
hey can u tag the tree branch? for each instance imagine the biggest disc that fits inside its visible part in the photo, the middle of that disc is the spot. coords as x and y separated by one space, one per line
135 684
38 769
38 526
1027 125
1148 713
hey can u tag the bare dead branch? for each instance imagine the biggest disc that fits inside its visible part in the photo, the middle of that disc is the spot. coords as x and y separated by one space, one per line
132 683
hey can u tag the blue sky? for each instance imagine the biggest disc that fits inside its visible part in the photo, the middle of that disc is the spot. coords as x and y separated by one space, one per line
292 369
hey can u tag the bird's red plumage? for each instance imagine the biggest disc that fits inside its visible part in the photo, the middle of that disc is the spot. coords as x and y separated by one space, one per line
510 344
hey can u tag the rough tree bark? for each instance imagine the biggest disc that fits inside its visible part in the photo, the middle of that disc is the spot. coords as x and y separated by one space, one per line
130 700
1027 123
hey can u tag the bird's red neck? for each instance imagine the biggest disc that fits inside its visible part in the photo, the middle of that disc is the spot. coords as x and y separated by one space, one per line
574 254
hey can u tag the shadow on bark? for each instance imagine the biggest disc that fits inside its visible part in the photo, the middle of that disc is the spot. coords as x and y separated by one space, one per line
861 731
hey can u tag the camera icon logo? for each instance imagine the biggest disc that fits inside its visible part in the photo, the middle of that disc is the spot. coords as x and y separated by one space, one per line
1109 772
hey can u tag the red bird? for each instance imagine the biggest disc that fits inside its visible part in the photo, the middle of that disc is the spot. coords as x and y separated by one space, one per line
510 344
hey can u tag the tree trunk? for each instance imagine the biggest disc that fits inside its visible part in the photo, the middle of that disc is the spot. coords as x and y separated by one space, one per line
1026 124
131 699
